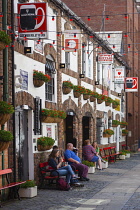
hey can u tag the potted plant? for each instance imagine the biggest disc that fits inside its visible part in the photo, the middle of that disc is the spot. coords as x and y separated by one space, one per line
93 96
45 143
108 100
52 116
61 116
122 155
123 124
5 138
127 153
124 132
86 94
115 104
67 86
78 90
91 166
108 132
100 98
115 123
39 78
6 109
105 163
4 40
28 189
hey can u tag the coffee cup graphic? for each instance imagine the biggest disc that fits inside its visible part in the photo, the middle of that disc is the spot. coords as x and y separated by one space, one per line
28 17
131 82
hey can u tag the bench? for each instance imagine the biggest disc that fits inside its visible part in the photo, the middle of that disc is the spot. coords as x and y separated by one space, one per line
109 153
46 177
14 185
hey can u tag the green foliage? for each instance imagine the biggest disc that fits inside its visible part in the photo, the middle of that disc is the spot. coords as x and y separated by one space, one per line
88 163
95 94
125 131
5 38
6 136
28 183
122 152
6 108
101 97
41 76
108 99
108 131
114 102
123 123
126 151
45 141
87 92
53 113
67 84
115 122
79 89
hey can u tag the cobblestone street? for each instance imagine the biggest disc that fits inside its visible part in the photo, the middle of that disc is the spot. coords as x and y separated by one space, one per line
115 188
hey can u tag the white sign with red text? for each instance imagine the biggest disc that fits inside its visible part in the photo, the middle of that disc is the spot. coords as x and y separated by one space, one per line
119 75
131 84
105 58
32 22
72 40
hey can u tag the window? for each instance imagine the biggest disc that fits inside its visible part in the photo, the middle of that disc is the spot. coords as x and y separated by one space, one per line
49 86
67 59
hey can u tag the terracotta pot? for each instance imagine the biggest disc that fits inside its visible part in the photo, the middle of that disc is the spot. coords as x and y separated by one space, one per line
2 45
106 135
76 94
57 120
107 103
43 148
114 125
38 82
92 99
4 118
85 97
47 119
66 90
99 101
4 145
114 106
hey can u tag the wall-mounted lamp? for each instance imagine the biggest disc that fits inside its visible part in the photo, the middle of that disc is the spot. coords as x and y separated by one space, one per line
96 82
82 75
27 50
129 114
119 94
62 65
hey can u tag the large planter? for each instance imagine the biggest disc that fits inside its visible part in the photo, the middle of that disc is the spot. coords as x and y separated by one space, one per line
127 155
76 94
4 145
4 118
28 192
122 157
2 45
107 103
85 96
43 148
66 90
114 126
92 99
47 119
114 106
105 135
105 165
91 170
99 101
37 82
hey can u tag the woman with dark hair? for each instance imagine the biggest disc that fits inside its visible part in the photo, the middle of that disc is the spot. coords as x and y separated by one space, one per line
56 162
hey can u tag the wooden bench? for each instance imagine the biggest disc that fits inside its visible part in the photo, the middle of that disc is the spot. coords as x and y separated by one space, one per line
14 185
109 153
46 177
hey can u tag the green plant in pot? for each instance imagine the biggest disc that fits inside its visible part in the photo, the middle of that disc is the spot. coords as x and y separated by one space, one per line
28 189
28 183
45 143
88 163
108 132
115 123
124 132
5 138
4 40
6 109
67 86
39 78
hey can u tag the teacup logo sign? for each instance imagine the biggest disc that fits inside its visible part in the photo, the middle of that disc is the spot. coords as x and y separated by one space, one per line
32 20
131 84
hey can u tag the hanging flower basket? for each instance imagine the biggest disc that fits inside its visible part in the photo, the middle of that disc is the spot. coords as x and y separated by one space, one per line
66 90
4 40
2 45
122 126
76 94
4 118
105 135
114 106
38 82
5 138
57 120
4 145
47 119
113 125
92 99
43 148
107 103
124 134
85 96
99 101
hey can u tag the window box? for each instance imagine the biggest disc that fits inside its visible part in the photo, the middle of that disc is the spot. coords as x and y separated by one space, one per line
28 192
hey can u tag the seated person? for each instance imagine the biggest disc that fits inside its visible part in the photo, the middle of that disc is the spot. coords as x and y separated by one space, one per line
89 153
75 162
56 162
95 146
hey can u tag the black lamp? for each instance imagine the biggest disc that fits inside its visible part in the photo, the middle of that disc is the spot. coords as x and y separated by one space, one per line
62 65
82 75
27 50
96 82
119 94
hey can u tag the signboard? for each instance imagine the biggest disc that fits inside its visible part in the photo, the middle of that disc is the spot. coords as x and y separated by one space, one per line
71 40
105 58
119 75
49 130
32 20
131 84
24 75
38 46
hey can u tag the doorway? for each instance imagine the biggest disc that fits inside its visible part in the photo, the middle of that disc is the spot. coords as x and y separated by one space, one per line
21 117
85 125
69 131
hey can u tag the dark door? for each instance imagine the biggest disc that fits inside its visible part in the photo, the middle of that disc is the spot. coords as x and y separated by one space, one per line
85 122
69 129
22 144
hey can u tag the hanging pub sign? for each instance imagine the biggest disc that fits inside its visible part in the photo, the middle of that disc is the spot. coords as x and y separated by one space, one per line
105 58
32 21
131 84
119 75
71 40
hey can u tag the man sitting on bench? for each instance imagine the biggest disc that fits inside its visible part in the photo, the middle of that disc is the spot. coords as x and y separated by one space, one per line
75 162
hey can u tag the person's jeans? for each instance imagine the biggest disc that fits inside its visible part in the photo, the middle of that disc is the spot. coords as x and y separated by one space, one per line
65 171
